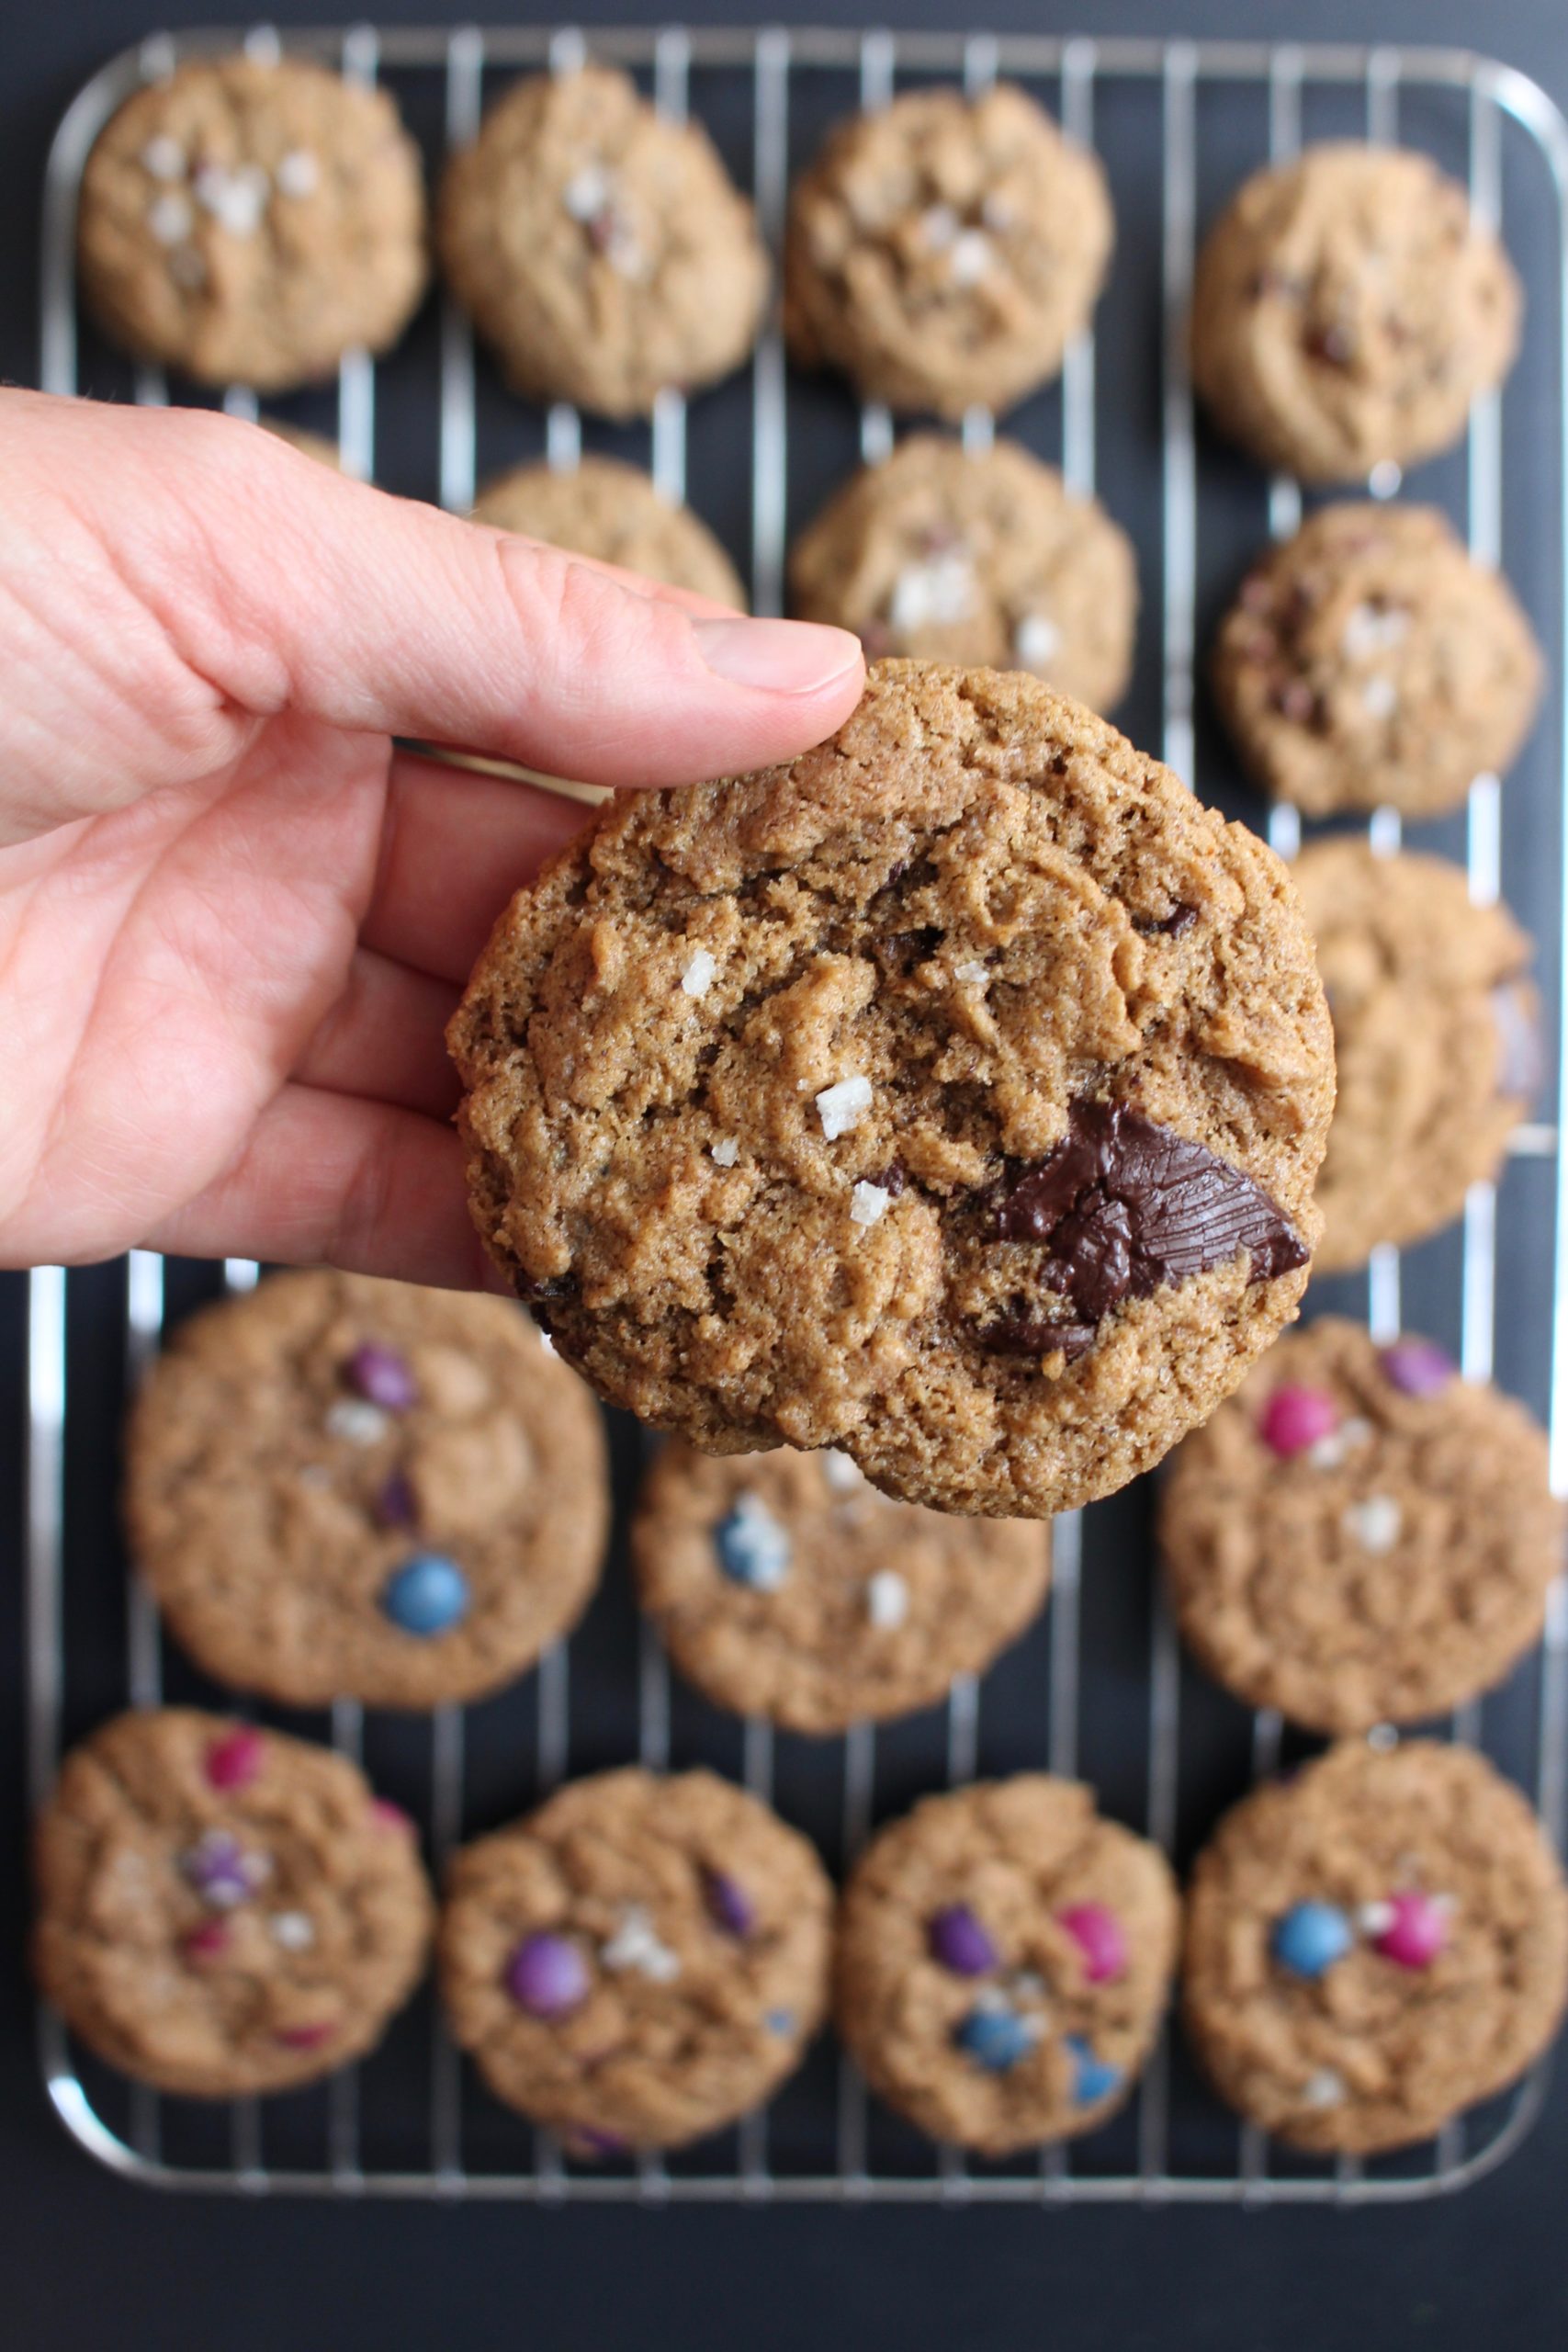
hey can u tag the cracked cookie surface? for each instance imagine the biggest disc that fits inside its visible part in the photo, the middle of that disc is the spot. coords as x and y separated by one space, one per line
612 512
952 1096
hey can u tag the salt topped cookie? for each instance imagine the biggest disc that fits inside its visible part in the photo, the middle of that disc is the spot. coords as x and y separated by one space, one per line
250 222
1373 1946
952 1097
1003 1962
612 512
336 1486
785 1586
639 1961
1357 1535
223 1910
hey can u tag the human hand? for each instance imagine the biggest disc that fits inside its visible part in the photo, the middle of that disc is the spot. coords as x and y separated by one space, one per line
233 919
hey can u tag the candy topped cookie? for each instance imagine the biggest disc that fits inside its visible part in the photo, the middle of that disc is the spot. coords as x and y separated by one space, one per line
951 1097
981 556
337 1486
783 1585
1373 1946
223 1910
639 1961
1369 660
1434 1031
613 512
1347 310
944 251
1359 1535
602 249
250 222
1003 1962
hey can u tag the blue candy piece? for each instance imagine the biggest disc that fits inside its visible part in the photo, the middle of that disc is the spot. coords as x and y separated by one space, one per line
781 2021
1093 2078
1311 1937
429 1594
995 2039
753 1549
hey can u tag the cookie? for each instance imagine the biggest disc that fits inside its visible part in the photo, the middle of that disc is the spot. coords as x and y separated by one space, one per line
613 512
785 1586
1358 1537
341 1487
944 250
602 250
223 1910
952 1096
1375 1945
250 223
1369 660
1003 1962
1346 309
983 558
638 1962
1435 1038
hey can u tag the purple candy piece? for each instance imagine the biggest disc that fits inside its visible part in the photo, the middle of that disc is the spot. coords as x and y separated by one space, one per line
220 1871
587 2140
382 1377
1419 1367
959 1941
728 1903
395 1506
548 1976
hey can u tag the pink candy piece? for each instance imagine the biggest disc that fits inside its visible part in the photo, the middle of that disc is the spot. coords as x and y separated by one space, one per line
305 2037
1294 1419
235 1761
1100 1936
388 1816
1415 1934
206 1942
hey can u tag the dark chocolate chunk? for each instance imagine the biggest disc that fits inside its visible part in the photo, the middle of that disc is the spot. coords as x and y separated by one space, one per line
1181 918
1124 1205
1020 1333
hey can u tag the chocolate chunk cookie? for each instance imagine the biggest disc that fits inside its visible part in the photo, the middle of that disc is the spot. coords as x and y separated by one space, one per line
1375 1945
340 1486
250 222
223 1910
1367 660
1003 1961
1435 1037
1347 310
944 250
785 1586
1359 1535
603 251
612 512
979 557
638 1962
952 1096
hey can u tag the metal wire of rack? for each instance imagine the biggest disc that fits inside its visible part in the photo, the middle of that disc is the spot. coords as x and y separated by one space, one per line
1069 74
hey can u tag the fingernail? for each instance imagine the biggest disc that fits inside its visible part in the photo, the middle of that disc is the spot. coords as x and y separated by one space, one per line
783 657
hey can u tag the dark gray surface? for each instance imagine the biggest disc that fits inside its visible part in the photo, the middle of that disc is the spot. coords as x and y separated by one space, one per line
89 2261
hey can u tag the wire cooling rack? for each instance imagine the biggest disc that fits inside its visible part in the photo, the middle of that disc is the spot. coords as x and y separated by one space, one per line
1099 1688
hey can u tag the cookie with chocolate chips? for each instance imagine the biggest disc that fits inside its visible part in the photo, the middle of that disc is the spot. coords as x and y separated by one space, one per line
1369 660
1347 310
1003 1962
1435 1028
223 1910
341 1487
1357 1535
952 1096
639 1961
612 512
1373 1946
250 223
783 1585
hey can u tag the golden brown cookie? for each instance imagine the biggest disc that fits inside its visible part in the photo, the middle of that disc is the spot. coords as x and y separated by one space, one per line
612 512
250 222
979 557
1435 1040
223 1910
952 1097
1003 1962
1373 1946
336 1486
1359 1536
638 1962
